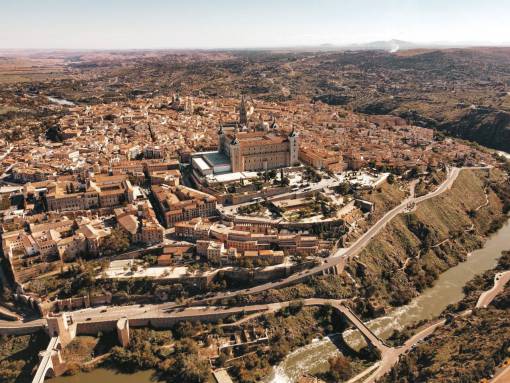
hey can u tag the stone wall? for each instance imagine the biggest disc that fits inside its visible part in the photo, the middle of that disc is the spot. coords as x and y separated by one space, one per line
21 330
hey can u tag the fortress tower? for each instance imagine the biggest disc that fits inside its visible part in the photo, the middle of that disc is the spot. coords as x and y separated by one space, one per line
235 154
59 326
123 331
293 149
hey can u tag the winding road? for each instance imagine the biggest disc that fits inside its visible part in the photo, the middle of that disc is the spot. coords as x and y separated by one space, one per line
390 355
341 256
337 260
500 280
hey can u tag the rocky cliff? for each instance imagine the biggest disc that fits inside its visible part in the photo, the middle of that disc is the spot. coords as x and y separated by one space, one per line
414 248
488 127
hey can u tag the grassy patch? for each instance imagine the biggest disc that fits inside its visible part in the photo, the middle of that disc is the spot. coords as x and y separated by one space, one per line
19 355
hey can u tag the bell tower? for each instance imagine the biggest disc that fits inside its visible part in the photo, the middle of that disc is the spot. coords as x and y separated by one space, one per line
243 114
293 148
221 136
235 155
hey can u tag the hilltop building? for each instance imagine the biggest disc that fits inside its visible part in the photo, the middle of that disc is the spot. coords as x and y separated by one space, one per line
244 149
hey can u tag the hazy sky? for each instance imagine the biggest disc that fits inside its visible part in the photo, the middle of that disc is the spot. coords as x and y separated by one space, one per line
238 23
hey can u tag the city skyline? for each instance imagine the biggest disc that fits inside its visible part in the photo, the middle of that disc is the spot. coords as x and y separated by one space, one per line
157 24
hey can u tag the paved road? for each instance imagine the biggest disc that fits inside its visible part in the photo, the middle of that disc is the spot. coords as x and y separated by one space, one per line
389 355
503 376
500 280
338 260
340 257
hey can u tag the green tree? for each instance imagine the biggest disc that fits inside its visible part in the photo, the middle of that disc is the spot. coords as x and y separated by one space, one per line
339 368
117 242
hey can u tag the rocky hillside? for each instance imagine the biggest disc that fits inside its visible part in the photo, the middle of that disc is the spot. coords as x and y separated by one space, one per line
413 249
485 125
468 348
488 127
465 350
410 253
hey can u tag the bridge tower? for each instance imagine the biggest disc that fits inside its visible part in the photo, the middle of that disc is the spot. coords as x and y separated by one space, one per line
123 331
62 327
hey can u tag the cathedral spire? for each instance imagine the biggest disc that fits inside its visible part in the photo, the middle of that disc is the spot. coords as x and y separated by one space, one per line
243 114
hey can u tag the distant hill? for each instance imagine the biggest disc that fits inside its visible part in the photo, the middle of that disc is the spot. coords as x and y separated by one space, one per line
388 45
395 45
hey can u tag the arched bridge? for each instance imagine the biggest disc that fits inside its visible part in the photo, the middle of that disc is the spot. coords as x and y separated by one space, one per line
50 358
368 334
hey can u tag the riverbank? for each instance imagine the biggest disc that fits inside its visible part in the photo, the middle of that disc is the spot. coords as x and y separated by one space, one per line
447 290
473 346
107 375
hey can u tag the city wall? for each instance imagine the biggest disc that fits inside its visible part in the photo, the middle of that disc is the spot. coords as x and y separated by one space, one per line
21 330
94 327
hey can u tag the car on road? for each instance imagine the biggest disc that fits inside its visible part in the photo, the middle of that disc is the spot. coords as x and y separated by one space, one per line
103 310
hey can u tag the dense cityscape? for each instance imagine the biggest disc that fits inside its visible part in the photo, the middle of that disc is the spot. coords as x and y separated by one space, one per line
310 215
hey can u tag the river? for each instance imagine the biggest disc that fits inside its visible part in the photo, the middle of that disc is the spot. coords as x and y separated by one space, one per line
313 357
446 290
103 375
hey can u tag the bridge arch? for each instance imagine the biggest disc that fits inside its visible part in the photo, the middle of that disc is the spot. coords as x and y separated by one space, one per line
50 372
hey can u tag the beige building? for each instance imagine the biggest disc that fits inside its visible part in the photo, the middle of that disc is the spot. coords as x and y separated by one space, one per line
245 238
140 223
100 191
244 147
258 150
181 203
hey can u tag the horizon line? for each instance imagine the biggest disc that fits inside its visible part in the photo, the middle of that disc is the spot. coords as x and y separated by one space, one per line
325 46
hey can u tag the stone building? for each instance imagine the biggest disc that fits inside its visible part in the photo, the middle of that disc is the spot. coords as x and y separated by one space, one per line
245 147
261 148
99 192
181 203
